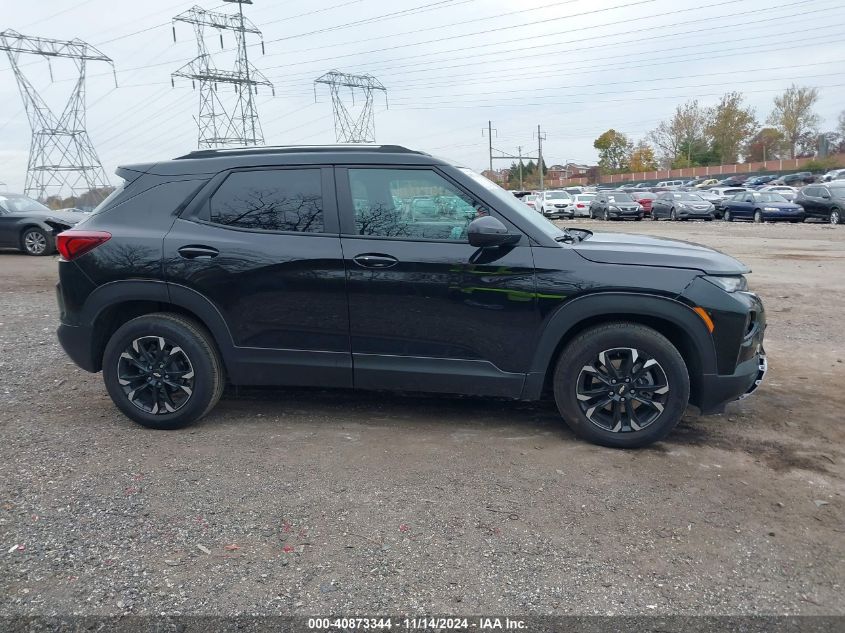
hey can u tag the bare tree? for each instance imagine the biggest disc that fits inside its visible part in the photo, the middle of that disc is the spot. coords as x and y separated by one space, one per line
793 116
679 136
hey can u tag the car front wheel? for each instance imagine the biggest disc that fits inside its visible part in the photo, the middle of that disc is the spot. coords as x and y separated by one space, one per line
162 370
622 385
727 217
36 241
758 217
835 216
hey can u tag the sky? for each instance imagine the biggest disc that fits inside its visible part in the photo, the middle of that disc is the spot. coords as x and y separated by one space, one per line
574 67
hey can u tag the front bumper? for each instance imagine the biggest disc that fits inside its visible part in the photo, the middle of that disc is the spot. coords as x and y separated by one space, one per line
717 390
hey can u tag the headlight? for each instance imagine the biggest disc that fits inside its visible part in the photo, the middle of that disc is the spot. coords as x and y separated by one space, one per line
729 284
770 209
612 208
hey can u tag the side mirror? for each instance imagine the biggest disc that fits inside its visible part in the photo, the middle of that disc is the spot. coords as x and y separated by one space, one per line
489 231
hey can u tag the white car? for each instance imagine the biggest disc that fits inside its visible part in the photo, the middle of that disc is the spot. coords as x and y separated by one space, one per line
834 174
554 204
581 205
787 192
671 184
530 200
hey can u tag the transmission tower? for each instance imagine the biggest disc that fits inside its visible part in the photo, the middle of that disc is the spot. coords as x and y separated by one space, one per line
221 126
350 127
61 155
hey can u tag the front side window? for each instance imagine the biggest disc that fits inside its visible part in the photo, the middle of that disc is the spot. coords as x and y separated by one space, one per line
270 200
410 204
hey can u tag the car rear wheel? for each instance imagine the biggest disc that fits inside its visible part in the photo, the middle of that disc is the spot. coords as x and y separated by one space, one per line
835 216
163 371
622 385
36 241
758 216
727 217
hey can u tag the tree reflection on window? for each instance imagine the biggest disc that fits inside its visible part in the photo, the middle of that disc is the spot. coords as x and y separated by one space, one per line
271 200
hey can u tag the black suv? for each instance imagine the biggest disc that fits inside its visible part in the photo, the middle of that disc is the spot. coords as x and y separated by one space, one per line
824 201
320 266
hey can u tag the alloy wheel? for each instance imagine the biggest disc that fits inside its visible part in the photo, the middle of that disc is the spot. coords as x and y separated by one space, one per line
835 218
727 216
156 375
606 215
35 242
673 216
758 217
623 390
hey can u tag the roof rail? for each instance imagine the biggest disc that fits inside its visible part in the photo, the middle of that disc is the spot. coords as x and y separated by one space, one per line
297 149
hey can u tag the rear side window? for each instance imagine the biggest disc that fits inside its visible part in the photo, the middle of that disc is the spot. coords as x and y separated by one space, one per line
270 200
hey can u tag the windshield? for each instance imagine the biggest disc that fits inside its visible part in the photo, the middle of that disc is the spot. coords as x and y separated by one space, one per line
619 197
770 197
21 204
513 205
557 195
689 197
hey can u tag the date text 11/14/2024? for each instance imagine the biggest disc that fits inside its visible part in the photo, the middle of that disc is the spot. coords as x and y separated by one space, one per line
418 623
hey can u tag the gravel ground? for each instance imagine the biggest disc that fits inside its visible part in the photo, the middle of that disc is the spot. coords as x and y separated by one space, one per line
315 502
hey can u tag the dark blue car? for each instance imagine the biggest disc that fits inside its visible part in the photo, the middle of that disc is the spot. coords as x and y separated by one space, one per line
761 206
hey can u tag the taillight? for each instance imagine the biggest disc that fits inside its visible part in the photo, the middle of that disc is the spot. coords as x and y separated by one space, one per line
580 205
72 244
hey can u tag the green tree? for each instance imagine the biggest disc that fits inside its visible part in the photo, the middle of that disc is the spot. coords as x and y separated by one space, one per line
794 117
614 151
642 158
730 125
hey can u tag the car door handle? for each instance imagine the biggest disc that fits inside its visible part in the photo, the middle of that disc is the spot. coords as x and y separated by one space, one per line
198 252
375 260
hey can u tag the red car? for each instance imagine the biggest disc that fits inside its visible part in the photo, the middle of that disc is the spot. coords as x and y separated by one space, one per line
644 198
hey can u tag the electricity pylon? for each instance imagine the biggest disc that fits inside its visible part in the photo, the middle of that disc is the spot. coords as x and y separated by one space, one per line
61 155
348 126
218 125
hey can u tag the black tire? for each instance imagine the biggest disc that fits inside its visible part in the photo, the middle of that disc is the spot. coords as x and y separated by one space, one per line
606 215
758 216
592 217
585 349
727 217
835 216
193 342
673 216
36 241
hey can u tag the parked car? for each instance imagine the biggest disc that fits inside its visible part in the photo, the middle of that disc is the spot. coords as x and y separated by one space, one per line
670 184
823 201
732 181
795 180
553 204
291 266
834 174
723 193
708 182
759 181
761 206
29 226
581 205
644 199
787 192
530 200
681 205
615 205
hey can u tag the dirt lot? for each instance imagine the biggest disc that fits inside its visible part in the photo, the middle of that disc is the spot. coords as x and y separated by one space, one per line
315 502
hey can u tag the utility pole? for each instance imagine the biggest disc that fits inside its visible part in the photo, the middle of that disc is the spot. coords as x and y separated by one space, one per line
61 155
219 126
520 167
349 127
540 138
490 130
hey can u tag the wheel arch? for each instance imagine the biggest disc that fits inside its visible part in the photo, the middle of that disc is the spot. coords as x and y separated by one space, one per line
115 303
671 318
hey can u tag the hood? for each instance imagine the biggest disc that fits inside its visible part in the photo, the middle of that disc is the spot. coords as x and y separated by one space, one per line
640 250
